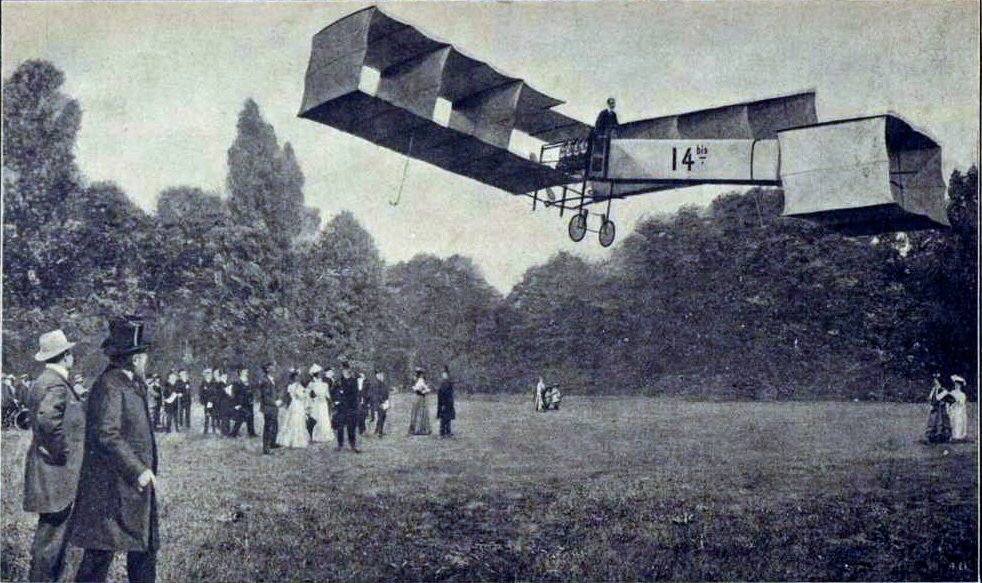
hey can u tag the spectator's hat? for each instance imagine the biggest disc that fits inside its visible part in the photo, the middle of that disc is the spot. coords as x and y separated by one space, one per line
51 344
957 379
419 370
127 335
206 370
315 368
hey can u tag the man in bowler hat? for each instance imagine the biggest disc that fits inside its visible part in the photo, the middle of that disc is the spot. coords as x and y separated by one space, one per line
54 456
116 506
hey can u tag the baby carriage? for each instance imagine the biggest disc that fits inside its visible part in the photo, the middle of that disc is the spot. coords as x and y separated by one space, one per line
551 398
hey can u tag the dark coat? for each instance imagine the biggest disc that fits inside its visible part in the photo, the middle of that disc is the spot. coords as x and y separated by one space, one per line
54 457
347 397
111 513
268 395
444 401
606 121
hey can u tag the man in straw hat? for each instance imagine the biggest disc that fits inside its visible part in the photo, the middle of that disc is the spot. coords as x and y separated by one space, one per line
116 507
53 460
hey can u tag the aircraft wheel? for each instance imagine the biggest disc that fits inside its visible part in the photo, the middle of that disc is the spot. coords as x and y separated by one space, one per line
577 227
607 233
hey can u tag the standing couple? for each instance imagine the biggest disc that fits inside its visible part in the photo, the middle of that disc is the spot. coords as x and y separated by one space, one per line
91 470
419 421
305 417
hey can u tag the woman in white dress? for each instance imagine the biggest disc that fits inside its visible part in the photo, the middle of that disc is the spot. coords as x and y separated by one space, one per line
293 431
957 411
320 408
419 421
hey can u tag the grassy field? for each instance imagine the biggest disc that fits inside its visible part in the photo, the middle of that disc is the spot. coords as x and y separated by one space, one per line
612 489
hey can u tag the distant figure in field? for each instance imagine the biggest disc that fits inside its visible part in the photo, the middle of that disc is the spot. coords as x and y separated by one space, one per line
243 400
606 123
938 424
269 405
172 403
419 420
208 397
362 405
320 409
957 411
347 408
293 431
116 506
445 410
54 457
184 381
380 400
540 389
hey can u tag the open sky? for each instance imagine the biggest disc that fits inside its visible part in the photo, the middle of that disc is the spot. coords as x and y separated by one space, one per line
161 85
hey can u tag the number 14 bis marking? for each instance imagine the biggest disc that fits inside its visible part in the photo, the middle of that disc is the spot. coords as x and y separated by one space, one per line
687 160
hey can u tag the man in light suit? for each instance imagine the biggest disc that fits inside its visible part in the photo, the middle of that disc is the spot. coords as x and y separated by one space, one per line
55 455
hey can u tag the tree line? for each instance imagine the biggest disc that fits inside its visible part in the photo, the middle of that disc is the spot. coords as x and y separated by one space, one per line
732 301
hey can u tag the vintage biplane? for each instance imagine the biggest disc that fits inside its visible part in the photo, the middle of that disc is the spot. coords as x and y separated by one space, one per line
383 80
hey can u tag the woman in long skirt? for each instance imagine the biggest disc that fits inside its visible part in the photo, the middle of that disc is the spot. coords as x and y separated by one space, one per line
293 432
419 421
957 412
938 423
320 410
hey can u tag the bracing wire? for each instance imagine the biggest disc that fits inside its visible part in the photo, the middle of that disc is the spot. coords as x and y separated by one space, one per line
405 171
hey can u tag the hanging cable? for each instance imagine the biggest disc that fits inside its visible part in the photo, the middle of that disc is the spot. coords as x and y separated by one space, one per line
405 171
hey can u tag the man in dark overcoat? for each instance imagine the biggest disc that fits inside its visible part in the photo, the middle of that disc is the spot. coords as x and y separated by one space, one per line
116 506
54 456
445 410
243 399
269 400
347 407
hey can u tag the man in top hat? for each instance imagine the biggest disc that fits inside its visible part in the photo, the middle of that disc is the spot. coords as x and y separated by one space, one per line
116 506
346 403
54 456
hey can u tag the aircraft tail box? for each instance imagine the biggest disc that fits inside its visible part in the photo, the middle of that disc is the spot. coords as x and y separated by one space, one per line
863 176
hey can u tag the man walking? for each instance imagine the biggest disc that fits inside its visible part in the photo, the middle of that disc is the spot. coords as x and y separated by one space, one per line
55 455
347 408
116 507
269 401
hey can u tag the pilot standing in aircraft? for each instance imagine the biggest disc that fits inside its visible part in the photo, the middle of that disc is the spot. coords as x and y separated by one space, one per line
606 123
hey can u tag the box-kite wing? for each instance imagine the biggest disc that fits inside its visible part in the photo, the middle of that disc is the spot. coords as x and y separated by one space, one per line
380 79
